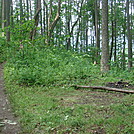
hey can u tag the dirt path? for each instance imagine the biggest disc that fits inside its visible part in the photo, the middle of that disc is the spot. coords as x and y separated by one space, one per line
8 123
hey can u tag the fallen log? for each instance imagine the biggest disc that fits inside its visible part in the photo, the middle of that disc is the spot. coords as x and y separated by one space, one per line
105 88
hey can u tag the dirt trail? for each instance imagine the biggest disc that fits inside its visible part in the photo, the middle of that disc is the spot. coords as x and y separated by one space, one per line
8 122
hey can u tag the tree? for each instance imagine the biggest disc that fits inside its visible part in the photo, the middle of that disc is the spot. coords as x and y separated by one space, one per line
97 30
21 11
36 20
129 36
105 48
71 28
74 24
3 15
52 23
112 25
8 9
27 3
0 13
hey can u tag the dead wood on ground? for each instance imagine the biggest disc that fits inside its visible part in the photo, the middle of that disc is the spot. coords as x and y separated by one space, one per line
105 88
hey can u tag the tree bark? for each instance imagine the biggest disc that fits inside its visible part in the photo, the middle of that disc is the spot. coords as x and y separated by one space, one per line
105 48
0 13
36 20
8 4
97 31
129 37
27 3
112 21
3 16
51 25
21 11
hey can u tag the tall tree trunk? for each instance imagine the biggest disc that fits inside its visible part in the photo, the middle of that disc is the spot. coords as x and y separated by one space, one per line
30 7
36 19
87 38
51 25
8 3
129 36
41 23
12 23
78 36
123 53
112 21
115 44
124 43
105 48
3 16
45 20
97 31
21 11
27 3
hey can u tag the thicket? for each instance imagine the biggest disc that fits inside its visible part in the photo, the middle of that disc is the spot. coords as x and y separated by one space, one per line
45 66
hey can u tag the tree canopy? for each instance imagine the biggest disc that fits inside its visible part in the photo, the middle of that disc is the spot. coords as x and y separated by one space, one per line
76 25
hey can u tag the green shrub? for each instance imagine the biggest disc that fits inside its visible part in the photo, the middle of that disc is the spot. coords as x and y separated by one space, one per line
46 66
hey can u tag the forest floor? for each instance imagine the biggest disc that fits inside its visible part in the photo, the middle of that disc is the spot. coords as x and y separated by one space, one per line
63 110
8 122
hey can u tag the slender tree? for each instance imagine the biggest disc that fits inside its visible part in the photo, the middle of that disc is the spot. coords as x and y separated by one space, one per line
52 23
3 16
105 50
71 27
36 20
21 11
97 30
27 4
112 36
0 13
129 36
8 9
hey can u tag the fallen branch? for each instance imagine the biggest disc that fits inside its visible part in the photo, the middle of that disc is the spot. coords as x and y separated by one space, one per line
105 88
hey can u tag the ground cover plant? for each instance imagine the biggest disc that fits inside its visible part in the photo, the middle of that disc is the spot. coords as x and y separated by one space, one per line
39 82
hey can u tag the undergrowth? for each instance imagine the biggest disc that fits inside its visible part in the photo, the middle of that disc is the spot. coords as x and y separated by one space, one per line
39 82
47 66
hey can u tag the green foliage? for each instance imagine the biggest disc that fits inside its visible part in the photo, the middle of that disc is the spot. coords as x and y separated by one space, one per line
119 73
43 65
46 66
21 31
3 48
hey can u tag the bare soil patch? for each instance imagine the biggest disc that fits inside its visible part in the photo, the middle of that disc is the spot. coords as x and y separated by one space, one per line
8 122
94 98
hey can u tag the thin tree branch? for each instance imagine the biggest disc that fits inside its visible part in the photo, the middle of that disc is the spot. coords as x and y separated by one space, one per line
79 16
56 18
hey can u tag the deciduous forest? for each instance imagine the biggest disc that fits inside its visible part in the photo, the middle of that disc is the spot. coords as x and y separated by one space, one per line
68 65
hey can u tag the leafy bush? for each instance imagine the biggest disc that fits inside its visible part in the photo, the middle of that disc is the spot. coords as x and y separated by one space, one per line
43 65
46 66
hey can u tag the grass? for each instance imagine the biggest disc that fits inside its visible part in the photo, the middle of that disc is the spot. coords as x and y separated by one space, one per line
39 83
65 110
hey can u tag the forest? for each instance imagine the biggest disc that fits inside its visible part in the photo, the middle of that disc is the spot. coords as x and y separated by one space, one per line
68 65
